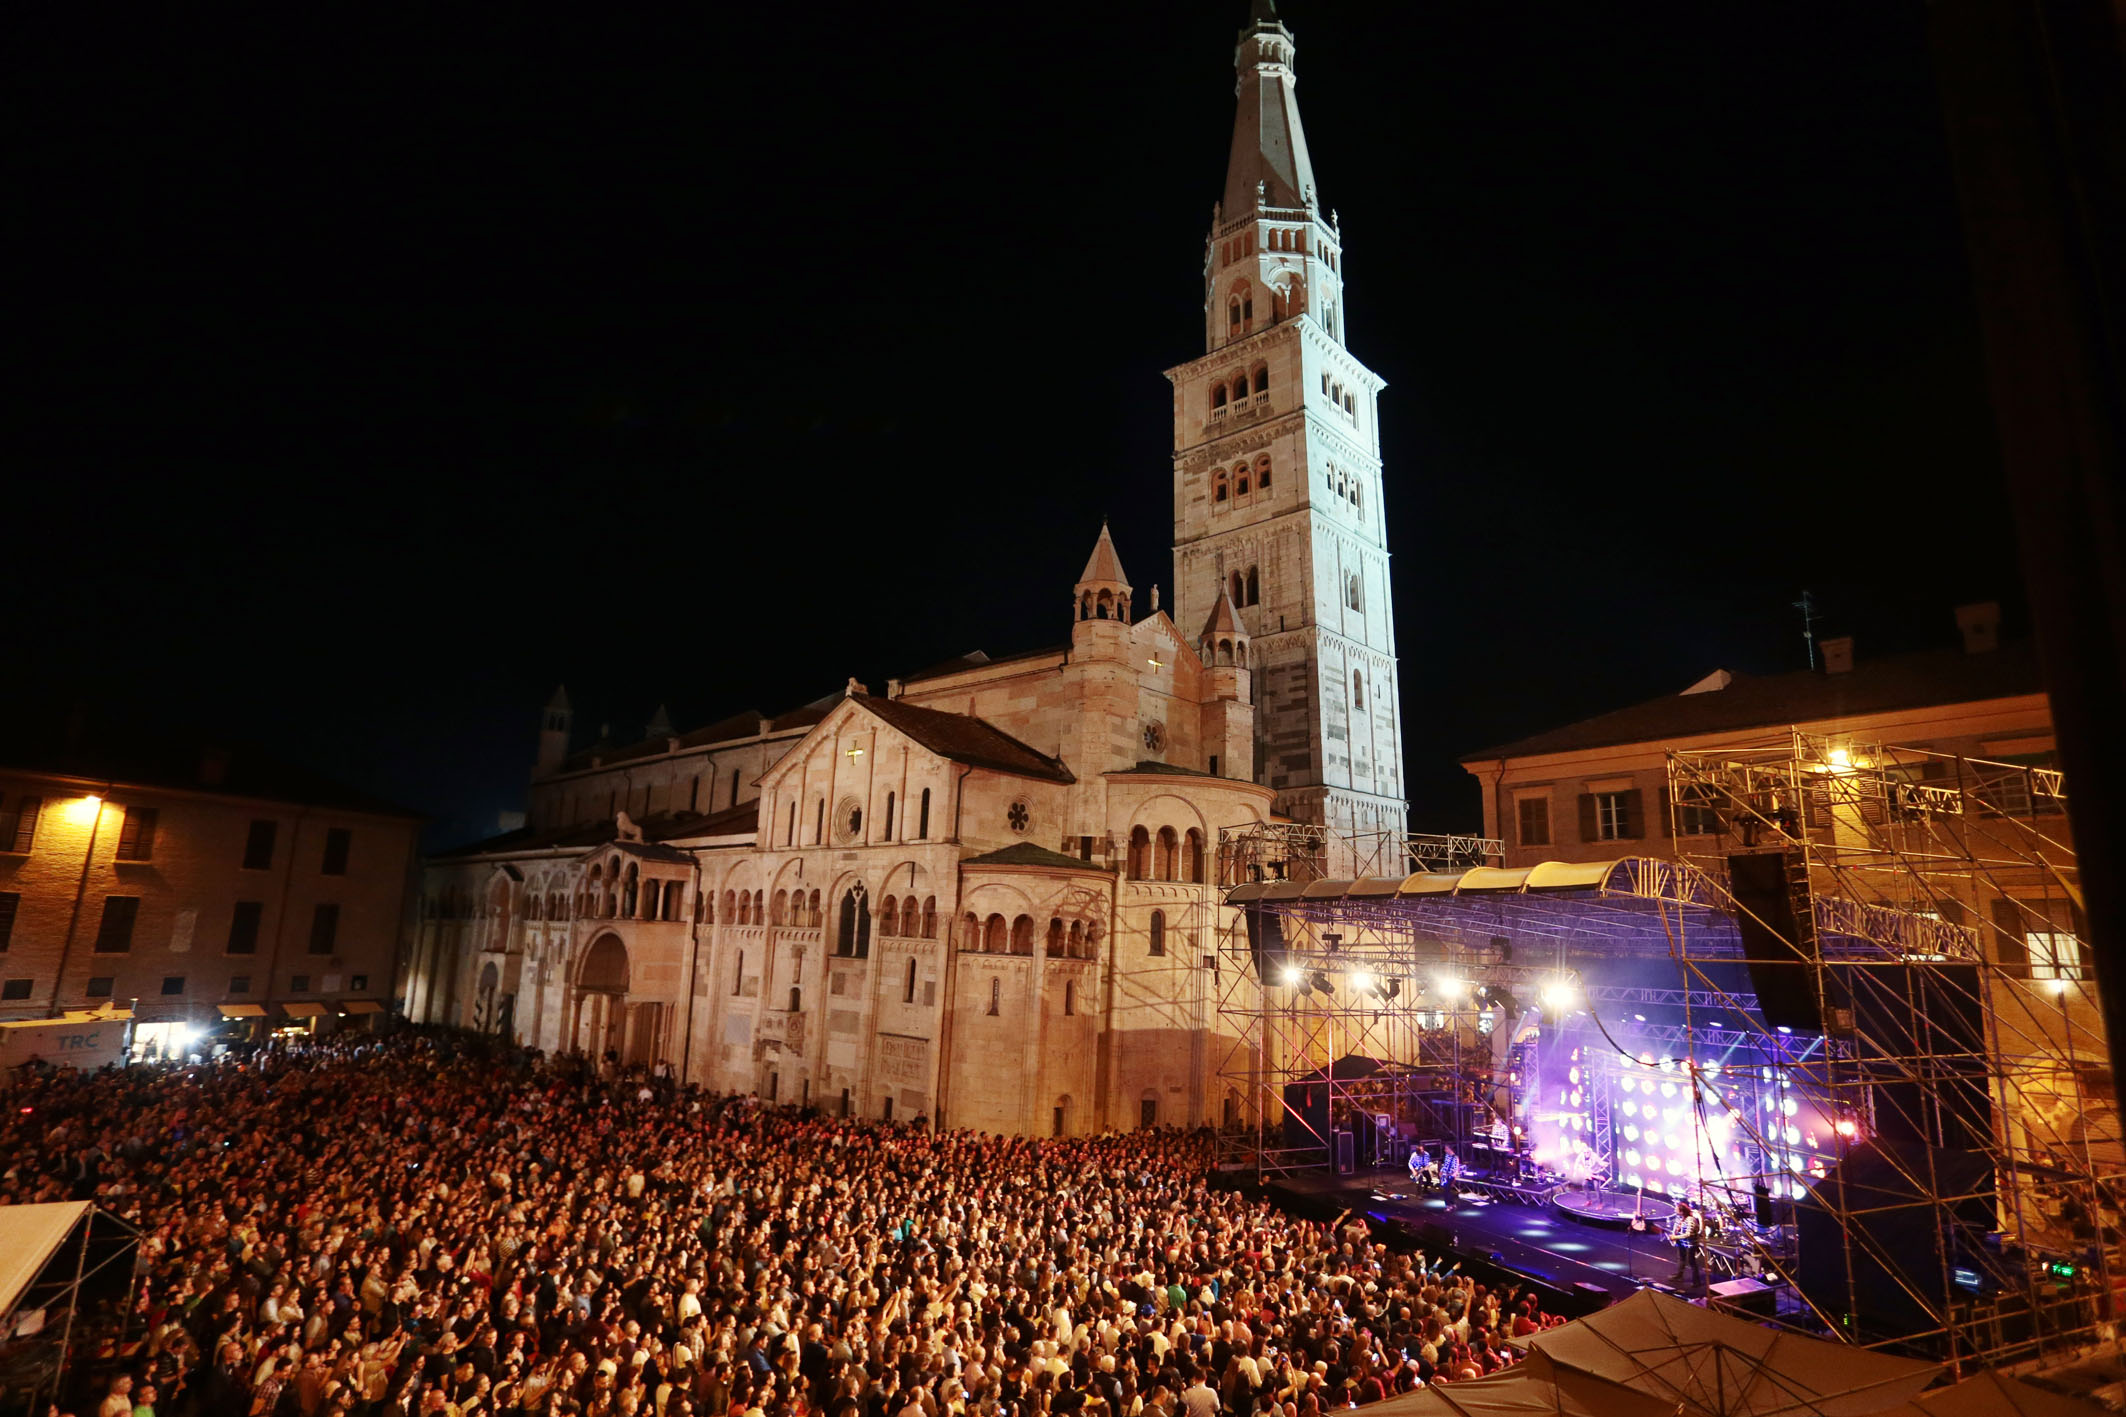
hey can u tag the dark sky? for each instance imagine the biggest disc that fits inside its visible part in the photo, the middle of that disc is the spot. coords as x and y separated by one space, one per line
383 376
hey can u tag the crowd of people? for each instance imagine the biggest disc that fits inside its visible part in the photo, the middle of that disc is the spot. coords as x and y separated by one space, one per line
429 1224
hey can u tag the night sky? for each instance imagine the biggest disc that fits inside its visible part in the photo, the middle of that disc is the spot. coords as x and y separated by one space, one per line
382 377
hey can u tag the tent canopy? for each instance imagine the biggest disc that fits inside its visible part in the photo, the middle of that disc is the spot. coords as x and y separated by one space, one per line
1719 1366
1536 1388
29 1234
1988 1394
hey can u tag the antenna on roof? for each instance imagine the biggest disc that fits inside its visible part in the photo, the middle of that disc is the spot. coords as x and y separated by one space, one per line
1807 606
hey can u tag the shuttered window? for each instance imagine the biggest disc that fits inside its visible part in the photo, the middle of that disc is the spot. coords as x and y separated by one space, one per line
18 823
243 927
324 929
114 934
136 836
10 902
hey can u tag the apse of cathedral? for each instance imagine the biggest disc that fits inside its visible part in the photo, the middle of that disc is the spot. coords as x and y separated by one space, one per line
988 896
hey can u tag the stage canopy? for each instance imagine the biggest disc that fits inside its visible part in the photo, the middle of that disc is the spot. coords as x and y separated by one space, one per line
1535 1388
1718 1366
29 1234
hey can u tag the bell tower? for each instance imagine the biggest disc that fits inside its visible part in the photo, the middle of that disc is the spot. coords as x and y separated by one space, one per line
1278 493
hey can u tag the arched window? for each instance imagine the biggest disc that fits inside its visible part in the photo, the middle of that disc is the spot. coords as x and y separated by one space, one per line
1158 932
789 831
1247 304
1240 481
996 996
1070 997
1239 589
1140 854
779 909
1192 857
674 895
1262 474
908 990
1354 595
797 998
1358 690
1022 935
922 821
1218 487
886 823
1104 607
812 911
1254 586
1055 938
889 917
1217 398
996 935
1077 939
627 893
854 939
930 917
1262 379
760 907
1169 862
738 977
708 916
970 932
1240 388
1232 315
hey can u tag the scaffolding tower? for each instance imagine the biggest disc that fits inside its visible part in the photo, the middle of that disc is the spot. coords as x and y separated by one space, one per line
1892 936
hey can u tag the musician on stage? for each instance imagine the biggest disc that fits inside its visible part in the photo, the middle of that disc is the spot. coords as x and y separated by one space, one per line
1686 1233
1423 1171
1450 1170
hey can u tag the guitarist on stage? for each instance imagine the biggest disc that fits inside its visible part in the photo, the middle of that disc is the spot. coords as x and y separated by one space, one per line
1686 1233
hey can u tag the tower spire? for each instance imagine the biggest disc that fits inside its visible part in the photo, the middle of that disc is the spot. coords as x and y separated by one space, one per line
1269 163
1102 592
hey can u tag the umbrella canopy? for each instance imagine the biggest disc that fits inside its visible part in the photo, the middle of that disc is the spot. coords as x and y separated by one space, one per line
1536 1388
1991 1395
1714 1365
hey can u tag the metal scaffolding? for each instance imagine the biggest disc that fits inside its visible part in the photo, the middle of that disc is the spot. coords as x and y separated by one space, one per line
1872 1003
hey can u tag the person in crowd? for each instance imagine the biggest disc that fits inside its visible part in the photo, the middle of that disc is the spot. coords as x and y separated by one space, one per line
435 1224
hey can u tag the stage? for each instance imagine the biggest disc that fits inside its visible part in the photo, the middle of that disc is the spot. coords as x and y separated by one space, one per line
1589 1265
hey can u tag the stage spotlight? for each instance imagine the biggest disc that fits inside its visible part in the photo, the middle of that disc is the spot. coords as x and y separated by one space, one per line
1294 976
1557 996
1483 991
1395 987
1361 981
1331 941
1321 981
1450 988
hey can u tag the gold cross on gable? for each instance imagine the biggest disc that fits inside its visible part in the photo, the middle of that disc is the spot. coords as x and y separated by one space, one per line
1154 663
855 753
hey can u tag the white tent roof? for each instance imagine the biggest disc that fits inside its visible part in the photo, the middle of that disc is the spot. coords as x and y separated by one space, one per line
28 1236
1719 1366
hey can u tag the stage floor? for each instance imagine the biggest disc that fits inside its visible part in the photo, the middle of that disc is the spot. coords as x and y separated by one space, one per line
1534 1241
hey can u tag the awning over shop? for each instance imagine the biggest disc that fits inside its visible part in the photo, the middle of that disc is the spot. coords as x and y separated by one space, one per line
242 1010
304 1010
362 1006
76 1016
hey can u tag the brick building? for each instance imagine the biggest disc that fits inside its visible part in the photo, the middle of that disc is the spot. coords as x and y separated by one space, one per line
986 895
215 885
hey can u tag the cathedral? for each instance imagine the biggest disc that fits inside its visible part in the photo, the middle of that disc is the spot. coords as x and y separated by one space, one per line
989 895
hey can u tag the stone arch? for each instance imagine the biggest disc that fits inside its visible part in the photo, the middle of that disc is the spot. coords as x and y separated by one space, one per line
604 968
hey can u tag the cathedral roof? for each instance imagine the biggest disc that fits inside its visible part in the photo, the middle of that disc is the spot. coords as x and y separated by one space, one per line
1104 565
1269 146
966 739
661 826
1025 853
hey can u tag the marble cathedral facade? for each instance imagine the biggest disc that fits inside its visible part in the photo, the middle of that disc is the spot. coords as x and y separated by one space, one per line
989 895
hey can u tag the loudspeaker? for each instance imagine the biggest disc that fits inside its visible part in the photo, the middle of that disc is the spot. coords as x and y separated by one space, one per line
1926 1057
1265 937
1346 1161
1777 923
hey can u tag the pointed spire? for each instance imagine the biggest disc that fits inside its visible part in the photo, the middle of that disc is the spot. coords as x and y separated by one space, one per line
660 724
559 702
1104 567
1225 618
1102 593
1269 153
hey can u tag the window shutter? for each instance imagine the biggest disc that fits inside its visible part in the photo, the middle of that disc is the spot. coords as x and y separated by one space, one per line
25 823
1635 814
2009 943
1587 816
1661 818
136 835
9 901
